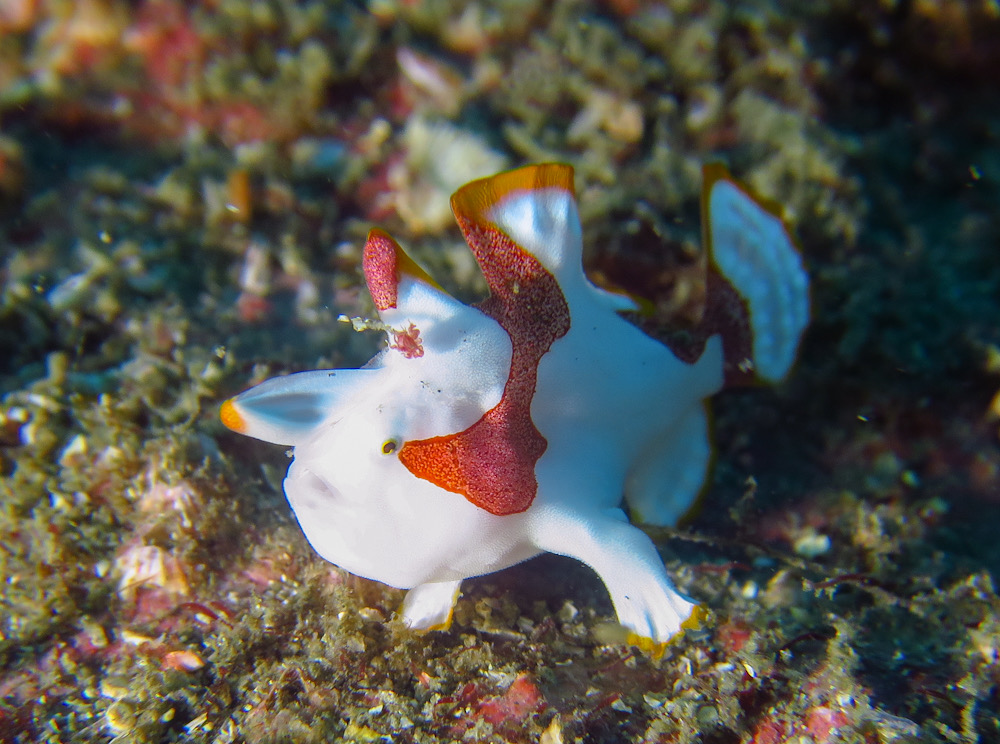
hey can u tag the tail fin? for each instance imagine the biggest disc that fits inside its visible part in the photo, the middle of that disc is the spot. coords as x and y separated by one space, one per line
758 291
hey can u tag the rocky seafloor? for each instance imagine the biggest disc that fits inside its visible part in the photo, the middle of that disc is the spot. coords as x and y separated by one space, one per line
184 192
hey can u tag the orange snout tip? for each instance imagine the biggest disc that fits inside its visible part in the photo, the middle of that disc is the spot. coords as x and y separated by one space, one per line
231 418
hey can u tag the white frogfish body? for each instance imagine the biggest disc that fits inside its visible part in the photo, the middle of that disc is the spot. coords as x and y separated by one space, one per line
482 436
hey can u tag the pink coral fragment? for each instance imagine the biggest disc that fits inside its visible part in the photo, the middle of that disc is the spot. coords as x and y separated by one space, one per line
182 661
821 722
769 731
520 700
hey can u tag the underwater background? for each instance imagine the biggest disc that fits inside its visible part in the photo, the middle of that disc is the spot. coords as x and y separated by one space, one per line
185 188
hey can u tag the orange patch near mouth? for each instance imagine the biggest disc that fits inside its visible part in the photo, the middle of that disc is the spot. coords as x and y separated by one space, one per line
231 418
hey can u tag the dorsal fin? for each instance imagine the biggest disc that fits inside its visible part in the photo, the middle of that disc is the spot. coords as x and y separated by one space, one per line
754 252
385 264
476 199
535 207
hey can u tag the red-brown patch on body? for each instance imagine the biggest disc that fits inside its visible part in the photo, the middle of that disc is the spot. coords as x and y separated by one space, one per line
492 463
725 314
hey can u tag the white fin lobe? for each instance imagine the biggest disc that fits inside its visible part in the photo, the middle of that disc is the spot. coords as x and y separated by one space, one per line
752 249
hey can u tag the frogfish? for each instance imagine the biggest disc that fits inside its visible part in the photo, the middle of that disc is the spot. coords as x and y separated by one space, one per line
483 435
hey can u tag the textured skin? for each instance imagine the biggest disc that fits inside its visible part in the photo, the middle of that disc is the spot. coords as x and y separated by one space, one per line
482 436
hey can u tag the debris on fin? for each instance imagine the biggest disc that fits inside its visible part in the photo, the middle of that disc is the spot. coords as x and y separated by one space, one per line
754 252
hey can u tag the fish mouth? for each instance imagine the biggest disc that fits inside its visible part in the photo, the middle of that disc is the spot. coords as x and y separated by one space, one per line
306 488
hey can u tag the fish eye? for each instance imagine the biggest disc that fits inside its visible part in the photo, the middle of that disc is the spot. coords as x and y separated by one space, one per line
389 446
